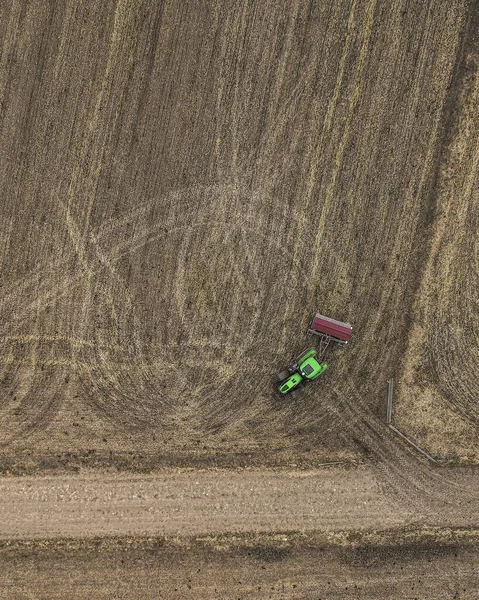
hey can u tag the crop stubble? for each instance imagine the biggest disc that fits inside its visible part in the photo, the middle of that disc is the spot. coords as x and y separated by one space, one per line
183 187
438 392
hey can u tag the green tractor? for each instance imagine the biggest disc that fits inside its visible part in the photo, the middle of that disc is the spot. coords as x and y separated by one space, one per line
304 369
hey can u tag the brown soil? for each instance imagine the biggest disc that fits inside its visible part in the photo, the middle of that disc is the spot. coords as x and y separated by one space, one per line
210 502
246 567
199 503
183 186
251 534
182 189
438 401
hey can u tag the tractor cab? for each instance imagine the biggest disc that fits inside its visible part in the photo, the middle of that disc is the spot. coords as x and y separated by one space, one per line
309 367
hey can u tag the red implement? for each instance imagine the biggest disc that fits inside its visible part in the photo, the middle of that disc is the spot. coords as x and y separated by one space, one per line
331 328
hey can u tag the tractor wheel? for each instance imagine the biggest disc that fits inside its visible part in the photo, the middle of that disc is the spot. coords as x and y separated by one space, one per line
283 375
296 393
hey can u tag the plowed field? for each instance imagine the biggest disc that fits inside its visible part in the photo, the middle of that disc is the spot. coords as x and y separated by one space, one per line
280 567
184 184
182 188
439 392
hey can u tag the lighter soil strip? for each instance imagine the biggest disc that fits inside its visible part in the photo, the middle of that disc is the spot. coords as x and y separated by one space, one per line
192 503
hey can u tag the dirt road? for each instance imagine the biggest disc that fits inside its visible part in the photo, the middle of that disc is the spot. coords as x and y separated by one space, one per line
195 503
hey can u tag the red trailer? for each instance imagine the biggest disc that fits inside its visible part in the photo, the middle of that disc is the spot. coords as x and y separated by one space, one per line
329 330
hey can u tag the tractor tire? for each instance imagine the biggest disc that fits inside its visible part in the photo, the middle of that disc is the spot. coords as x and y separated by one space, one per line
283 375
296 393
